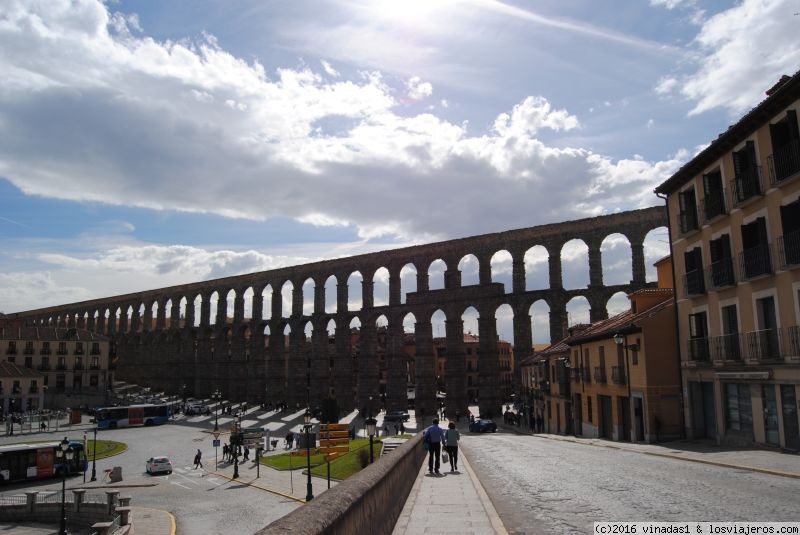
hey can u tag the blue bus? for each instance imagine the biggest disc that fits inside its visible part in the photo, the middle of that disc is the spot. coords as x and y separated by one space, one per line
126 416
19 462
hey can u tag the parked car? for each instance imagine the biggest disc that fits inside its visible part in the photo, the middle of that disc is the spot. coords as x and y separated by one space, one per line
156 465
198 408
396 416
483 426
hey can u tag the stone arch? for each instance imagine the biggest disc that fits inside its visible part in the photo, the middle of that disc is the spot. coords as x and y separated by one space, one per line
578 310
617 303
616 255
355 299
575 264
540 322
536 267
287 296
267 296
213 306
408 281
436 270
469 266
331 303
656 247
380 287
308 296
501 265
247 303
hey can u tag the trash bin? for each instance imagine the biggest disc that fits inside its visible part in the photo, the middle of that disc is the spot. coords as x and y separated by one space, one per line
116 474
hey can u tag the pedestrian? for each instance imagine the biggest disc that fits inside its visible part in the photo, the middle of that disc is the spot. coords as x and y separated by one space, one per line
433 436
246 453
402 428
197 461
289 440
224 452
396 429
451 438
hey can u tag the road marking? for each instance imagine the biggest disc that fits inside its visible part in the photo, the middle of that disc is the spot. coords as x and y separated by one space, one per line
180 485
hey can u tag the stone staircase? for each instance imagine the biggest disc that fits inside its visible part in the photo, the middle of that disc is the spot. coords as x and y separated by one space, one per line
390 444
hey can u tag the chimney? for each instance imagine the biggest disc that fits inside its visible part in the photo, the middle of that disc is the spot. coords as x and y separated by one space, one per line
778 85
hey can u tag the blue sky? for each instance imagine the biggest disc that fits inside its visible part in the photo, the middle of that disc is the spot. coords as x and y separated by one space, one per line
149 143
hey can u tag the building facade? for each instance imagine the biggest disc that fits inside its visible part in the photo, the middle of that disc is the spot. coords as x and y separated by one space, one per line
734 213
67 367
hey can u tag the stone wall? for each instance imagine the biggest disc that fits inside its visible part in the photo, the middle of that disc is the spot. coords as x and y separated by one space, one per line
368 502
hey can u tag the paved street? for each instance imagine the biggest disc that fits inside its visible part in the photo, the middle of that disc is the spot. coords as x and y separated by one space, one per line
543 486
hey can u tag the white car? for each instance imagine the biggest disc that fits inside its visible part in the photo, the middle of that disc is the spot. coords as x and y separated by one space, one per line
156 465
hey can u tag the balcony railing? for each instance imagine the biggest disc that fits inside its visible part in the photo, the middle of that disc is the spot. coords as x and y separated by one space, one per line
586 374
694 282
45 351
78 367
94 367
600 374
33 390
61 352
94 351
618 375
726 347
43 367
761 345
721 273
11 351
698 349
61 367
789 249
575 375
747 185
756 261
28 351
784 163
713 205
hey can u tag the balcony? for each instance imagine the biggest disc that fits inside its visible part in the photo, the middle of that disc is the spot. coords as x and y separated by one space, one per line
586 375
61 367
45 351
94 367
94 351
28 351
789 250
727 347
763 345
747 185
697 349
713 205
78 367
694 282
61 352
43 367
33 390
11 351
618 375
784 163
600 374
756 261
78 352
721 273
575 375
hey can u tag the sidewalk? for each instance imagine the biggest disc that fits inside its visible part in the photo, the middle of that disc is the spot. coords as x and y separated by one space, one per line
699 451
453 502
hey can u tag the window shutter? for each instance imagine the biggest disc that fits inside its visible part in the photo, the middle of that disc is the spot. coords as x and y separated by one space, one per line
794 130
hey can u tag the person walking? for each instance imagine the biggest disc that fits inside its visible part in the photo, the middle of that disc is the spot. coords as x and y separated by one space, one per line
451 438
224 452
197 461
433 436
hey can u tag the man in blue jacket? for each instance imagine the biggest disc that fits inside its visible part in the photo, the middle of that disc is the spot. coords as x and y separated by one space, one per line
434 435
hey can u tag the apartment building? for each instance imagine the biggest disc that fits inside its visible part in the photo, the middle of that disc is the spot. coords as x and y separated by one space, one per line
734 216
67 367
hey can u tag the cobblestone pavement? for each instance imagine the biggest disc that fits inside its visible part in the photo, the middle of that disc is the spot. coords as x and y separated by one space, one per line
540 485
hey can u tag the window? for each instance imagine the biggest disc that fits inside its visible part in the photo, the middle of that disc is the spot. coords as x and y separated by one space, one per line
698 332
95 363
739 413
79 348
29 347
635 352
747 180
730 339
60 381
62 363
693 261
785 159
93 380
45 348
767 335
29 362
589 405
721 262
688 210
755 256
790 241
714 197
15 389
62 348
12 348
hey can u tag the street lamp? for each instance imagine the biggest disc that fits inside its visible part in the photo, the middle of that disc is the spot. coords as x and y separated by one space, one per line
65 451
94 457
238 442
307 420
216 396
371 423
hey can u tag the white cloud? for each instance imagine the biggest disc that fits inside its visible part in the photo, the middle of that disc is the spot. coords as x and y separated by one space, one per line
329 68
417 89
740 53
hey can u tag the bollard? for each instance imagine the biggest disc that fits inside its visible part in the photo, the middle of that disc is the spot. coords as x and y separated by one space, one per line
111 496
77 499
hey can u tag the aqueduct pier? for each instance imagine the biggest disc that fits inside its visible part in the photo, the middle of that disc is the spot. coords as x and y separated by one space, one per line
235 353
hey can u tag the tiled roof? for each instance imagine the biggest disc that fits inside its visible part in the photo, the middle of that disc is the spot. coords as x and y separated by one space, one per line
9 369
17 332
619 323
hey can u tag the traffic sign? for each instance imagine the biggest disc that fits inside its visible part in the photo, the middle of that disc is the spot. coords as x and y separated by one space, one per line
216 434
216 443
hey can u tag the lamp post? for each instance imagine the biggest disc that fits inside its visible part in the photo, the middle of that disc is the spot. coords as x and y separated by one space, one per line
307 420
94 456
216 396
65 451
370 423
238 442
621 340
